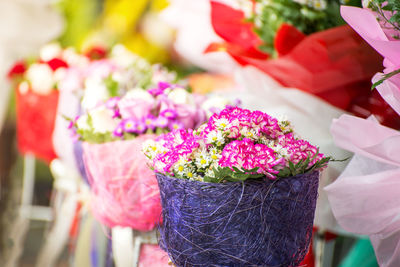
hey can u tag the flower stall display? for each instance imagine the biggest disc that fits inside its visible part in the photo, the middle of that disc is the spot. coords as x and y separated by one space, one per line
240 190
37 96
364 198
125 191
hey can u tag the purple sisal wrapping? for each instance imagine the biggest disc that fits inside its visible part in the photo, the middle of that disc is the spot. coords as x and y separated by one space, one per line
254 223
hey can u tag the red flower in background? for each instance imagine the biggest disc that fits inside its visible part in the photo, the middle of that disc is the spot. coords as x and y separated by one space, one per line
57 63
96 53
18 69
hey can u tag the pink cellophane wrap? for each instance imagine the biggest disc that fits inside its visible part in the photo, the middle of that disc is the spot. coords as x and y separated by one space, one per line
153 256
124 190
364 22
365 198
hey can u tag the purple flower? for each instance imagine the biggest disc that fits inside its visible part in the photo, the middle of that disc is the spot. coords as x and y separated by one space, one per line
175 125
161 122
140 128
169 113
72 122
129 125
119 131
159 90
149 121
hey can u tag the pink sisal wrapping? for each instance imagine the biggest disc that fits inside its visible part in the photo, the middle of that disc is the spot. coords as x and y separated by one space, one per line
124 189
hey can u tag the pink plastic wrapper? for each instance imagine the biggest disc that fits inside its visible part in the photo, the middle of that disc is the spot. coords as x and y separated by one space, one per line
154 256
364 22
365 198
124 190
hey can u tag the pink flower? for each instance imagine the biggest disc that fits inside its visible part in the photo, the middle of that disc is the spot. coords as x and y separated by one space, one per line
134 108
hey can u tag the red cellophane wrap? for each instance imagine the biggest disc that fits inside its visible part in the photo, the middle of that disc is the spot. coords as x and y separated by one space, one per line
36 116
124 190
335 65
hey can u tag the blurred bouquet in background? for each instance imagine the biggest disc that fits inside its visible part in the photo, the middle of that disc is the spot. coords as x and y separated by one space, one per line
36 82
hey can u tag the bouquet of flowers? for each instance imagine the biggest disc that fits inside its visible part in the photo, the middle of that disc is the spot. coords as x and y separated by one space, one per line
114 72
125 191
300 44
270 175
37 94
364 198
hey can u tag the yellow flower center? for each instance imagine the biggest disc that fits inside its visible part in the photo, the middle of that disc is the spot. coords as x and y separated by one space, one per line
190 175
214 157
180 168
203 161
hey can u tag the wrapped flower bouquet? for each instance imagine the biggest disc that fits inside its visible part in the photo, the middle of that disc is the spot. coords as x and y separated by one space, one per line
240 190
37 98
125 191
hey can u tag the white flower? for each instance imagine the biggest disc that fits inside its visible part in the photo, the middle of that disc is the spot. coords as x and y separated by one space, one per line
102 120
73 58
152 148
50 51
82 122
59 74
202 159
215 137
222 124
41 78
95 92
249 132
215 154
181 167
282 151
181 96
214 103
139 94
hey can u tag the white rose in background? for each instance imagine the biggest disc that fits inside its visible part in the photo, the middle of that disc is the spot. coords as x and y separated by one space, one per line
41 78
50 51
139 94
73 58
102 120
82 122
95 92
181 96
